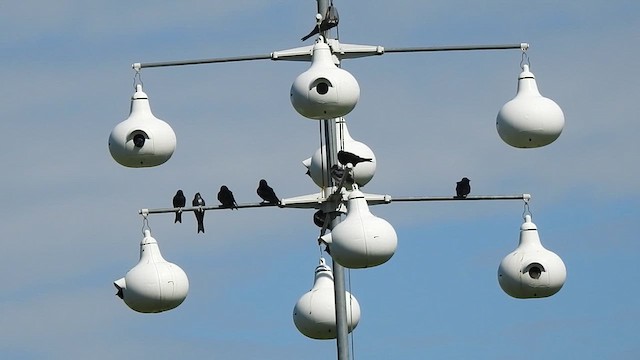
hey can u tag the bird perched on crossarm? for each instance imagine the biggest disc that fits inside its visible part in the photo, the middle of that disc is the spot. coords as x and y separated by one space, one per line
198 201
179 201
266 193
463 188
345 157
225 196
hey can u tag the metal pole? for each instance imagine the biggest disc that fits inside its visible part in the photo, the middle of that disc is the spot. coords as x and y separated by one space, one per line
342 327
323 6
331 145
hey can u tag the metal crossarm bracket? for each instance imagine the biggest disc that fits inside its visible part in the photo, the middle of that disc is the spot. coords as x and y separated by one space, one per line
315 201
342 51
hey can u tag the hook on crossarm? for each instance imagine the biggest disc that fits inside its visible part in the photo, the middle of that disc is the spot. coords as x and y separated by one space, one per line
145 220
525 58
137 77
526 211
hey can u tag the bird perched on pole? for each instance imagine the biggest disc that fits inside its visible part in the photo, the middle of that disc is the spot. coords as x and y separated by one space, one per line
328 21
345 157
198 201
338 173
266 193
225 196
179 201
463 188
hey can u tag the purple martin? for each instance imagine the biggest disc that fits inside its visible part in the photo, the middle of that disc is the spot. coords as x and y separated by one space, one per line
318 218
198 201
266 193
337 173
225 196
329 21
179 201
138 140
463 188
345 157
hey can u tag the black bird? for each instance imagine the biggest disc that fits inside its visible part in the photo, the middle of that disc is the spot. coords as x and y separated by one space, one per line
179 201
266 193
329 21
318 218
345 157
337 173
225 196
462 188
199 201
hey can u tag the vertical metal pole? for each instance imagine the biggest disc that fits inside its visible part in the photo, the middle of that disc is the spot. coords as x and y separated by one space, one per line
331 146
342 325
323 6
342 330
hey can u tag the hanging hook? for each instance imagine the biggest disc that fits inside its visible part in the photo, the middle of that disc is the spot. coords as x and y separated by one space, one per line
526 209
137 78
145 223
525 59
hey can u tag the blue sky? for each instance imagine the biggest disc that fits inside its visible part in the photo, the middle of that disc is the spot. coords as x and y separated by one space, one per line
69 218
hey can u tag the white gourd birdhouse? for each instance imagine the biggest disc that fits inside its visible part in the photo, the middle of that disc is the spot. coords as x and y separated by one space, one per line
314 314
154 284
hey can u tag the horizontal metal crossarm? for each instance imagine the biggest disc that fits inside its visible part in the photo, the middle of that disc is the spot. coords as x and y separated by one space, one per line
344 51
138 66
198 208
522 46
372 199
525 197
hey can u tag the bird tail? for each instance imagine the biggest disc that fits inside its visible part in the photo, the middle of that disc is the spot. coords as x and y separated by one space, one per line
200 219
313 32
178 217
